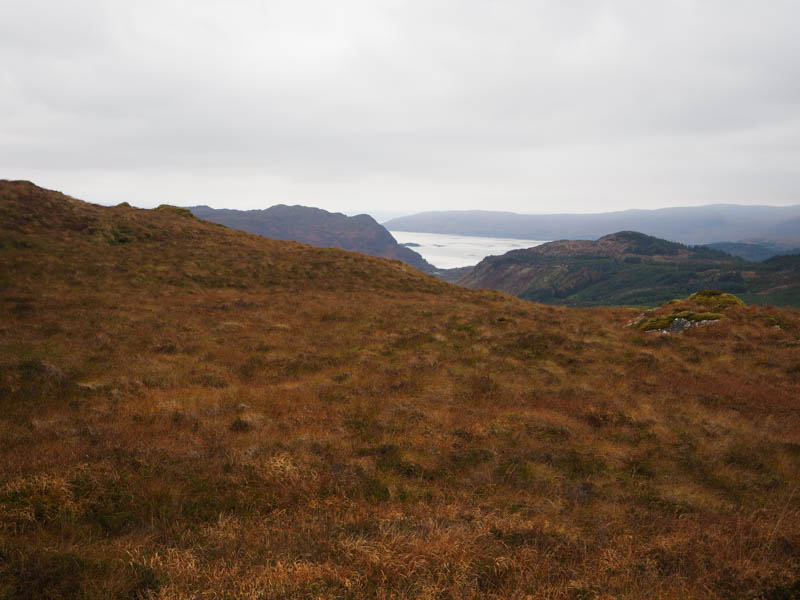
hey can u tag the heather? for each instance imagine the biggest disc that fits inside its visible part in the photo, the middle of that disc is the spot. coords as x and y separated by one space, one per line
189 410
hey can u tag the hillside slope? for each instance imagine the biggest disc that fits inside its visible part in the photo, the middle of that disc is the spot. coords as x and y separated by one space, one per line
630 268
317 227
192 411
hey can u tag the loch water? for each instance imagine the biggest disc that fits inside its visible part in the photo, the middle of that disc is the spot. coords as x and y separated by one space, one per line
448 251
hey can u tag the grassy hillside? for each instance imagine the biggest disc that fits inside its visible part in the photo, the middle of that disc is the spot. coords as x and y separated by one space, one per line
193 411
630 268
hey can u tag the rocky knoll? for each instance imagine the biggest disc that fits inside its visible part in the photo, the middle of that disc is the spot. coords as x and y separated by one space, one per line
631 268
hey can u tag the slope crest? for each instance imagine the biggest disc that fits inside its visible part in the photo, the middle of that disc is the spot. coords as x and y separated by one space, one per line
120 245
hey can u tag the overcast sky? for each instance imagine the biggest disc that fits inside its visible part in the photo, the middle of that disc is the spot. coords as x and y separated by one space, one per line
402 106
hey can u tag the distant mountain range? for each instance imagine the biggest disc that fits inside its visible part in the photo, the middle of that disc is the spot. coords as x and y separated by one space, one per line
317 227
779 225
635 269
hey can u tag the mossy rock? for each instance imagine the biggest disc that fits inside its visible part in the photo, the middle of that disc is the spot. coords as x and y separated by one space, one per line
178 210
716 299
654 323
701 316
664 322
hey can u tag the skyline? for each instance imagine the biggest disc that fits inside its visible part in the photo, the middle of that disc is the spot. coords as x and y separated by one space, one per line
396 107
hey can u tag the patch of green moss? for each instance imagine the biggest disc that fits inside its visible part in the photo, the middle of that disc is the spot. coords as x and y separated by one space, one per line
120 235
655 323
178 210
772 321
716 299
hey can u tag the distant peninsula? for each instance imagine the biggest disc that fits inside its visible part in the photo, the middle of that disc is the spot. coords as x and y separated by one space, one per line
317 227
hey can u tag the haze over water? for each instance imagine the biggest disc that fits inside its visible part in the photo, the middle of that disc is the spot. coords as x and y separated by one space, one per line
448 251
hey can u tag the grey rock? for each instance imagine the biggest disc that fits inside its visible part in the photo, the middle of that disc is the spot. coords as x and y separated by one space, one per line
90 386
679 325
706 322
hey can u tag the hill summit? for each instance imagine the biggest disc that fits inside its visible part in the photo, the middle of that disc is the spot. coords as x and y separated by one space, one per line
623 244
632 268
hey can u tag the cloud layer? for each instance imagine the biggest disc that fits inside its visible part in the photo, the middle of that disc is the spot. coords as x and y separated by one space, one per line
391 105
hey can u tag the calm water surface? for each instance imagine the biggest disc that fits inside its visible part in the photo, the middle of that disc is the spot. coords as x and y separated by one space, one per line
449 251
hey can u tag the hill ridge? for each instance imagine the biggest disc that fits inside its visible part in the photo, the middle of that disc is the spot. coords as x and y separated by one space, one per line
319 227
29 215
631 268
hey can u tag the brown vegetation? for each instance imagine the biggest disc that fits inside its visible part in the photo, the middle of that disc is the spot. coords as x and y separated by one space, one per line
190 410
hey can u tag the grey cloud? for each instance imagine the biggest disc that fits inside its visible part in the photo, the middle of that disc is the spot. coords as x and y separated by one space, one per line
392 104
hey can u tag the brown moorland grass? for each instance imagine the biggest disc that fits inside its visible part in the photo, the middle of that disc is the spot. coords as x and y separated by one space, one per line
190 411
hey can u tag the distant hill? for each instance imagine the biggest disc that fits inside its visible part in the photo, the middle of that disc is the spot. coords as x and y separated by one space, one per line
316 227
753 252
632 268
785 229
689 225
785 261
